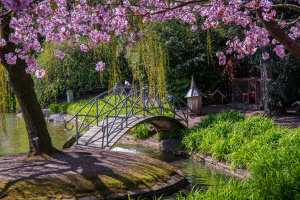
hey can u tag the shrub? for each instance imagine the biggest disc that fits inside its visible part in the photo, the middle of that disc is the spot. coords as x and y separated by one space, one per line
162 136
142 131
64 107
54 108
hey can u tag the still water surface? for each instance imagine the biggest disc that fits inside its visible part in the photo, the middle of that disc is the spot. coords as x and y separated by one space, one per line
15 141
196 172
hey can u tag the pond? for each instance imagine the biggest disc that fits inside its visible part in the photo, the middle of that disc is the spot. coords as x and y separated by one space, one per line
15 141
196 172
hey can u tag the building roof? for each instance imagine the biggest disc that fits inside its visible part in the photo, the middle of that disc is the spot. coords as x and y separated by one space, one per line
296 103
193 91
220 91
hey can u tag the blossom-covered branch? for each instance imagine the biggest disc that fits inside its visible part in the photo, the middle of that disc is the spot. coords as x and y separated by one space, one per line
60 21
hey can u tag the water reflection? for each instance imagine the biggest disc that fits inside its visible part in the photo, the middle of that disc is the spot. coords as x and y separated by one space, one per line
196 172
16 141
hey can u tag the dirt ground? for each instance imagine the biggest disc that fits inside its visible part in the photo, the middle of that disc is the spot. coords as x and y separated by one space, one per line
290 119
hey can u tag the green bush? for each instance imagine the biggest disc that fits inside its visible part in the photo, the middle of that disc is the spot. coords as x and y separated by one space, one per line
162 136
76 70
64 107
54 108
142 131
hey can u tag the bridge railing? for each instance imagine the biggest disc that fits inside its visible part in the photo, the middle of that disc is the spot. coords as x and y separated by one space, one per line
112 109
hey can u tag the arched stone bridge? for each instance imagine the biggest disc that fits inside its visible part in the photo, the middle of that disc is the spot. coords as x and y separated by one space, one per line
108 116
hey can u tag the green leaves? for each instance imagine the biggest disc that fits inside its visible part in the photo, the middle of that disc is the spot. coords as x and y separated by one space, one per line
270 153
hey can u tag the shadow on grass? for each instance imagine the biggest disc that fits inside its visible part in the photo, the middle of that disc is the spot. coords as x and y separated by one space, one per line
71 173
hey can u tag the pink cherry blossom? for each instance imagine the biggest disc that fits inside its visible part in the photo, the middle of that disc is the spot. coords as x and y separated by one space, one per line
69 22
84 48
2 42
129 46
10 58
140 34
240 56
222 60
193 28
100 66
59 54
40 73
279 49
219 54
265 56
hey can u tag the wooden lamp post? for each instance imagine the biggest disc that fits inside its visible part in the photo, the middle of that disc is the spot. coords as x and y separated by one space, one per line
194 98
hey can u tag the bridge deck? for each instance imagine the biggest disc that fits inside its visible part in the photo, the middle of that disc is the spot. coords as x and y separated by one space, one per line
94 136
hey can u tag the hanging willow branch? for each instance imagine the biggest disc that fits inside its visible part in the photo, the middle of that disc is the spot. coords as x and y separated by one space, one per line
148 61
3 96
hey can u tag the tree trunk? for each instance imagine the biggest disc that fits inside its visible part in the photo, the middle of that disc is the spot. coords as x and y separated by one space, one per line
280 35
23 87
271 107
38 135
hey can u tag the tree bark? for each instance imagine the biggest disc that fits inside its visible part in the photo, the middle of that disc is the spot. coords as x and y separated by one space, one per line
36 127
271 108
23 87
280 35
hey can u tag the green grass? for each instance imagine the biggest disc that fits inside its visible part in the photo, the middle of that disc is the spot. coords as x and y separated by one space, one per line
270 153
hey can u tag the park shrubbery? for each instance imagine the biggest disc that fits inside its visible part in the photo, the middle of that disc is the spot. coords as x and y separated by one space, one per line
59 108
269 152
76 71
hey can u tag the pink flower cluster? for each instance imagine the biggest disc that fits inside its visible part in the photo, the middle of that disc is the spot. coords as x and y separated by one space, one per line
84 48
265 56
59 21
18 6
279 49
10 58
100 66
40 73
222 57
3 42
59 54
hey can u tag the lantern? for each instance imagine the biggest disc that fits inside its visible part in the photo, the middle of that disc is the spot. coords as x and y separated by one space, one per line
194 98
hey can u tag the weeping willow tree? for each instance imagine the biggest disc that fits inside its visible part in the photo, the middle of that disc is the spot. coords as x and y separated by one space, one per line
77 69
3 96
144 64
148 61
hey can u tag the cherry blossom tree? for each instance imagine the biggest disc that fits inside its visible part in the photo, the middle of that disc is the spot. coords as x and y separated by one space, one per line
25 23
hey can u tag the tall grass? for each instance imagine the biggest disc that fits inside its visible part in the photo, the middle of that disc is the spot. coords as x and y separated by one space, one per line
271 154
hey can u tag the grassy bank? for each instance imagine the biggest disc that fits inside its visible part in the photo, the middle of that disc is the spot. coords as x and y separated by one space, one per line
271 154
